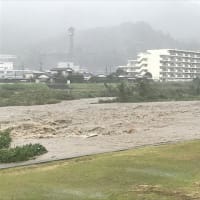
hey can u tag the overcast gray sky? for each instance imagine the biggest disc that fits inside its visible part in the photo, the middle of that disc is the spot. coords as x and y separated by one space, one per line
38 19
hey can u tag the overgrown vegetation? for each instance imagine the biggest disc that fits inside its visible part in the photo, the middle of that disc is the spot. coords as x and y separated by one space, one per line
30 94
17 154
88 90
21 153
24 94
169 172
146 90
5 139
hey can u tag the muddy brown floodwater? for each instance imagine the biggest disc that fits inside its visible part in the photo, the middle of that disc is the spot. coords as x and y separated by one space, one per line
83 127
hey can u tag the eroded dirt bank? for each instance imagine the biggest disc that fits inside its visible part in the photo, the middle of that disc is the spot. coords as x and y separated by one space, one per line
64 128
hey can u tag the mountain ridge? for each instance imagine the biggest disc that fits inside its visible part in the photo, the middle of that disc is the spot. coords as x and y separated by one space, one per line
102 47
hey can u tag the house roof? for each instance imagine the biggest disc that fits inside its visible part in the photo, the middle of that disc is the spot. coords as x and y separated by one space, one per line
68 69
43 77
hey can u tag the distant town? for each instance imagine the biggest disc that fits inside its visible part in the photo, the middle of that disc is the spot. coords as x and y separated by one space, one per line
157 64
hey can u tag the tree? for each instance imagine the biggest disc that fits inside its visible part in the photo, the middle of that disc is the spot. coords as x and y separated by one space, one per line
76 78
196 85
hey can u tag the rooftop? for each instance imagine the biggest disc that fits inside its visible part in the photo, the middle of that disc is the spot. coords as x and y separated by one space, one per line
7 56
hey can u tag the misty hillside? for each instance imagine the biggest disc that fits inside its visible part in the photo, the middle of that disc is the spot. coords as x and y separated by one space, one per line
104 46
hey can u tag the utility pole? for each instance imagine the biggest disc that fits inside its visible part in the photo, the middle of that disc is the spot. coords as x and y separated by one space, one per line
106 70
41 64
71 31
22 66
23 69
41 56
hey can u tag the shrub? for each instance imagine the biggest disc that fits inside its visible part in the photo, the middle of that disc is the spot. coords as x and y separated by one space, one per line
5 139
16 154
144 90
76 78
196 86
111 90
23 153
125 92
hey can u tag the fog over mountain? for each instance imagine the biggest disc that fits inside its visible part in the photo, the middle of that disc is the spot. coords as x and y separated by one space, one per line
107 32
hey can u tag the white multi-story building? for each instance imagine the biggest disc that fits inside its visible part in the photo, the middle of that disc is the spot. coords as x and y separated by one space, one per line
6 65
169 64
6 62
129 70
7 71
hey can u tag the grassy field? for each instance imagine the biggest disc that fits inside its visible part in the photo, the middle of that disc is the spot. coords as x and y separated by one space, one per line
88 90
149 91
169 172
23 94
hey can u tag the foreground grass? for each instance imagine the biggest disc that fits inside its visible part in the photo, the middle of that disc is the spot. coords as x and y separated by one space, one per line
169 172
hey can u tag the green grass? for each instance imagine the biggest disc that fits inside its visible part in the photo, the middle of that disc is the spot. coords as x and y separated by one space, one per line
22 153
5 139
149 91
169 172
16 154
88 90
25 94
